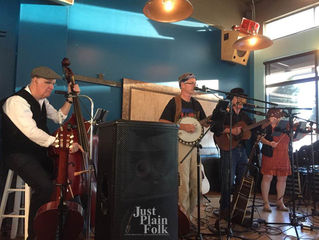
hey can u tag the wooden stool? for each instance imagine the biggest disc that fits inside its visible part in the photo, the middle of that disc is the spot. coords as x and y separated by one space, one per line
20 188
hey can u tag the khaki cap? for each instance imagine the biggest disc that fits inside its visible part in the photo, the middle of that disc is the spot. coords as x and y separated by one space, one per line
45 72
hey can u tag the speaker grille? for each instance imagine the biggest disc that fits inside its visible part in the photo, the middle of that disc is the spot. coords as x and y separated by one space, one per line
137 181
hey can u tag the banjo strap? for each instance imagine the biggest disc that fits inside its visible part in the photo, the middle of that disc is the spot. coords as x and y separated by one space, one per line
178 112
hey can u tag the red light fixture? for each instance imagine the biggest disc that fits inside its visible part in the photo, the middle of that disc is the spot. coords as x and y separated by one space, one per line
253 40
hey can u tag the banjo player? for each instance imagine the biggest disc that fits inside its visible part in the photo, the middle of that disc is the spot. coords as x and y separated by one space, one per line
180 107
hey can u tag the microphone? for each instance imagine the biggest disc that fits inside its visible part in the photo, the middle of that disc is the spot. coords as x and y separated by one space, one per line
203 88
251 105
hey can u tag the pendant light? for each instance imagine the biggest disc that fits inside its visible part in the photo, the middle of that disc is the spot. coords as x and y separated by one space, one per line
253 40
168 10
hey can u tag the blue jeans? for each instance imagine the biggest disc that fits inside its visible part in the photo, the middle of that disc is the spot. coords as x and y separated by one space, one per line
237 167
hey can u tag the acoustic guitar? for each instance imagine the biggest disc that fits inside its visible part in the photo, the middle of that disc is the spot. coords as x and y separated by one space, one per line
244 191
205 182
224 139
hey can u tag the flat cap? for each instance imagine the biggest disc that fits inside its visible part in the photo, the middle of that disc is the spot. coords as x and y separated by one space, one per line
44 72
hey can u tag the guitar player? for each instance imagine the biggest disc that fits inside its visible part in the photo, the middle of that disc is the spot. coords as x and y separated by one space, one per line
239 158
178 107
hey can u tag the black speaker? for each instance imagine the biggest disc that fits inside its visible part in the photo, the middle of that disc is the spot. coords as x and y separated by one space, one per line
212 166
137 185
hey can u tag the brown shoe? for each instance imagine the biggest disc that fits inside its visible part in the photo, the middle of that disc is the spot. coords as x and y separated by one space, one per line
282 208
267 208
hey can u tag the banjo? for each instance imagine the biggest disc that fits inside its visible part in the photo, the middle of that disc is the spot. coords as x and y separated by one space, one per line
192 138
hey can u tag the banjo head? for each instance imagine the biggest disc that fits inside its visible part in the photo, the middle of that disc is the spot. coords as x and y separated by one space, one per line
190 138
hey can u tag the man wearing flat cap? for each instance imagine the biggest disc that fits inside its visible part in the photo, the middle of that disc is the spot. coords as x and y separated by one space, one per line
26 135
184 105
236 166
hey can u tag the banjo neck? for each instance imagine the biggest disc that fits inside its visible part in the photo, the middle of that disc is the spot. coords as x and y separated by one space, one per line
205 121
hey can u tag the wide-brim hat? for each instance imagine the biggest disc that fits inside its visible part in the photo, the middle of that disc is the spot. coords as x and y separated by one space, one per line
44 72
239 92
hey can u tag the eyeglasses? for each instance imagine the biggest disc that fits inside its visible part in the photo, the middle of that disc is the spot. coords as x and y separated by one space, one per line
190 83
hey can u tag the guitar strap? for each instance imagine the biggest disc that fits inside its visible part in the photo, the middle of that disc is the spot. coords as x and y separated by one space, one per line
178 111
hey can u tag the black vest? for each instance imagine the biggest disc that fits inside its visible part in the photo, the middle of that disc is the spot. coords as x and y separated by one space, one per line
14 141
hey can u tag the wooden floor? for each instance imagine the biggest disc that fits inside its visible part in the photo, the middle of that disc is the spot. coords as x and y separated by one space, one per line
276 225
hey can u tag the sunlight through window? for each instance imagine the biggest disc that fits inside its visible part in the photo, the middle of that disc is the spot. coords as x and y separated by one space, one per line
291 24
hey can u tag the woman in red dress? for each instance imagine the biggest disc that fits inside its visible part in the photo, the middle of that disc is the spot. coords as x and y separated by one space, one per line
275 161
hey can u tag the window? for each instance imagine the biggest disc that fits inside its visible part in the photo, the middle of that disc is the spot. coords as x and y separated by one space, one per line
292 83
293 23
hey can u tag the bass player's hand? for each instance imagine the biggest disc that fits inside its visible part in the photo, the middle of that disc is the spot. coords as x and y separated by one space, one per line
75 147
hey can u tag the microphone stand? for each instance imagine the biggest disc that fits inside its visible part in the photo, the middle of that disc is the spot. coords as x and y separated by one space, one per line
210 90
90 168
311 170
292 216
229 230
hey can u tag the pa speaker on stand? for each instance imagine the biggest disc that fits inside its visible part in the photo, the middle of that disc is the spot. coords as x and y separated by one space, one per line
228 53
137 184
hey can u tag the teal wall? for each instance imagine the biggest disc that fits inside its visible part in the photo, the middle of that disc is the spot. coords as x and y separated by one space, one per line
9 21
114 38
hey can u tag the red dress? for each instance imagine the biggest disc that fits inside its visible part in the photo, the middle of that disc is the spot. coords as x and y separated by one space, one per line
279 163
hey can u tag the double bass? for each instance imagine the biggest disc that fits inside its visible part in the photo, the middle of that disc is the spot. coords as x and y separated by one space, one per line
63 217
81 168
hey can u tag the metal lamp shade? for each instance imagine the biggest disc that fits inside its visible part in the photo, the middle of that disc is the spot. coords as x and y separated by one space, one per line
154 9
252 42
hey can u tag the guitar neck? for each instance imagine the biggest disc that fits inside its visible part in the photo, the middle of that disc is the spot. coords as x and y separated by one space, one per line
251 126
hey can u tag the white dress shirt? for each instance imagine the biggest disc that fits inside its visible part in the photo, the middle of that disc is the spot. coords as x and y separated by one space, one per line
19 112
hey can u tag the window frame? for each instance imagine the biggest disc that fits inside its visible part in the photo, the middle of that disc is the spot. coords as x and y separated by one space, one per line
314 79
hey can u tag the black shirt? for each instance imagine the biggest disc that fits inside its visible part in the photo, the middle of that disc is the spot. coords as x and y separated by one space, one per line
224 121
191 109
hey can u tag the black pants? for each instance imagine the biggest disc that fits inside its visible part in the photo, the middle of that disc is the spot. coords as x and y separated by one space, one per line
36 173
